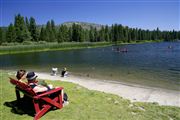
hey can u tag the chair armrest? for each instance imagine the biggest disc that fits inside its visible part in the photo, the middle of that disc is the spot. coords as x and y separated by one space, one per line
49 92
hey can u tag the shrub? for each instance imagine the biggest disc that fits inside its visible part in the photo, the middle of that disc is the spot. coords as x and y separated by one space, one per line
5 44
42 42
27 43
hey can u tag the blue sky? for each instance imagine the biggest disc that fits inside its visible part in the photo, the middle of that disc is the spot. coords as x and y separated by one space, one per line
145 14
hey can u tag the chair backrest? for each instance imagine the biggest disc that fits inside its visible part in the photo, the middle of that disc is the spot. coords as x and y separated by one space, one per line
23 87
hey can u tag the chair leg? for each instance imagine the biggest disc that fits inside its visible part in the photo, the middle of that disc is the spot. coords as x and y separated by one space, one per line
36 106
61 100
42 112
48 103
52 102
18 95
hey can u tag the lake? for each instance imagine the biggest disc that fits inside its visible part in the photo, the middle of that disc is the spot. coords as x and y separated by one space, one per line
151 64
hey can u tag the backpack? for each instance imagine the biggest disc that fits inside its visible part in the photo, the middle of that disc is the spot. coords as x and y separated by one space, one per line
65 97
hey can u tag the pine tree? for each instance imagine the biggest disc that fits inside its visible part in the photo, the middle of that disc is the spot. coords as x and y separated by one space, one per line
53 32
81 34
107 39
119 33
102 34
63 35
86 35
125 34
174 35
22 33
116 31
27 22
129 35
60 35
70 34
91 34
139 35
76 33
33 29
48 32
158 34
95 35
42 36
11 34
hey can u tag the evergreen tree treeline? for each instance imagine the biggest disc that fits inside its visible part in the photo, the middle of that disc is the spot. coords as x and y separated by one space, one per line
25 29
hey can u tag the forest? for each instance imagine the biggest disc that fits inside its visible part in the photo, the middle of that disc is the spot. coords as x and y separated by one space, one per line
25 30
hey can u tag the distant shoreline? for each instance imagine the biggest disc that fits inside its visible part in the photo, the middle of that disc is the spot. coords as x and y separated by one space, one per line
38 47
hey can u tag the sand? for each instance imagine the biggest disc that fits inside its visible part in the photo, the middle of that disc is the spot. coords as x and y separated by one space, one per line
128 91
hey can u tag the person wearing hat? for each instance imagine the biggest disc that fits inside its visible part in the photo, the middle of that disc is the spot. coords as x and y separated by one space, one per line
37 88
32 82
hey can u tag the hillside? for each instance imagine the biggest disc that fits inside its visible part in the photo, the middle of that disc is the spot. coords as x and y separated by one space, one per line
84 25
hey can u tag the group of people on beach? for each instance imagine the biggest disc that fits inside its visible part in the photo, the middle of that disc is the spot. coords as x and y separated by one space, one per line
37 86
64 72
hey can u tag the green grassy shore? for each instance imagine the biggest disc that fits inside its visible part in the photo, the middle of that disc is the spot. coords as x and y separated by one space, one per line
13 48
40 47
86 104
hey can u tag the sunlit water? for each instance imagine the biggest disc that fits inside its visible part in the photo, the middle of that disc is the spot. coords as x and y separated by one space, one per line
152 64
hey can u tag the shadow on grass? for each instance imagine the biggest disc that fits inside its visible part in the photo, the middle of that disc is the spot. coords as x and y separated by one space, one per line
23 106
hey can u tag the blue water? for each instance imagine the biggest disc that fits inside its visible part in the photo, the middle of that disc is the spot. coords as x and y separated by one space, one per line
152 64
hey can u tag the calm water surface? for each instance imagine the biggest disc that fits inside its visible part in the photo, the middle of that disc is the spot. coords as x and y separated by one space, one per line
152 64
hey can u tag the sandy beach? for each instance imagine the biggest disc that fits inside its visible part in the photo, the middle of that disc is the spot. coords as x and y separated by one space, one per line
128 91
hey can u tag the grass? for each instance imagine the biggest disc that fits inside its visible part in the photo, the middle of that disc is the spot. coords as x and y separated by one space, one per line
89 105
36 47
13 48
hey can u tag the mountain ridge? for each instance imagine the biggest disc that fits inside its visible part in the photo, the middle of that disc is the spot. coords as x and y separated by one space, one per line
84 25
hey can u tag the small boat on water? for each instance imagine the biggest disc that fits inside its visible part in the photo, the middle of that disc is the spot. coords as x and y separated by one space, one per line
170 47
120 49
124 50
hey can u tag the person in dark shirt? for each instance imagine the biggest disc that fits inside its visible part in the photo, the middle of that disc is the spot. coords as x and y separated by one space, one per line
64 72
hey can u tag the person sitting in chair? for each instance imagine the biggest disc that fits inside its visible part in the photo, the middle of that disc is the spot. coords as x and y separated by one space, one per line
21 75
37 88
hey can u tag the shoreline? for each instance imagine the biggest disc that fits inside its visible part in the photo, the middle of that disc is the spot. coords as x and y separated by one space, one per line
132 92
87 45
50 47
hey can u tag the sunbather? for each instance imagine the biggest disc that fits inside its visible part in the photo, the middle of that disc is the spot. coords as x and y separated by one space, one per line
37 88
31 77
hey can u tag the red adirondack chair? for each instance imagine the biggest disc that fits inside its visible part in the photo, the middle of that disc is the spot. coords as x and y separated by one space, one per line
42 102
